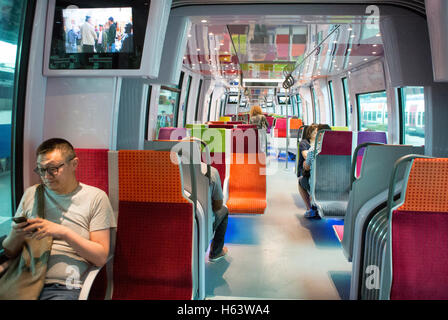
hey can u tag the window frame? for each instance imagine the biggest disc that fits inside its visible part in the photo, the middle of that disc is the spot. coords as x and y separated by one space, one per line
347 104
331 91
187 96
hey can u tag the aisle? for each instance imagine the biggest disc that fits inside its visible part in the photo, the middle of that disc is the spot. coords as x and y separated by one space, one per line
281 254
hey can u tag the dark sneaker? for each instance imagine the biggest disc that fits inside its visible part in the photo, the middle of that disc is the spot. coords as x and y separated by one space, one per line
310 214
219 256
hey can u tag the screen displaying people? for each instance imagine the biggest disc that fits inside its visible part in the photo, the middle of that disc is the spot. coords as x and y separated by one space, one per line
98 30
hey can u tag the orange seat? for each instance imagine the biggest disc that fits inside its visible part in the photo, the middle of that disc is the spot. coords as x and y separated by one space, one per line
295 123
247 184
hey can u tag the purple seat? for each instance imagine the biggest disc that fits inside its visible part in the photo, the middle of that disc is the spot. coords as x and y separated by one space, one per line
171 133
368 136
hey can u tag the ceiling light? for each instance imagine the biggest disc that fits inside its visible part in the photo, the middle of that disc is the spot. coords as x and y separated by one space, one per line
210 34
375 45
365 59
349 50
352 36
378 34
350 29
203 21
374 52
198 49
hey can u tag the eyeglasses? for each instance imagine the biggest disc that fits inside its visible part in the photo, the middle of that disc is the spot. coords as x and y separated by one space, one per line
51 170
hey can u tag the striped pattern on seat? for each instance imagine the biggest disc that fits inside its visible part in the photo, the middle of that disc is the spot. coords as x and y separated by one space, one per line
419 234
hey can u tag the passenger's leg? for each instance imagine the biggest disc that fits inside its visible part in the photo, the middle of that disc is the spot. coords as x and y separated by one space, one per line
59 292
304 194
220 227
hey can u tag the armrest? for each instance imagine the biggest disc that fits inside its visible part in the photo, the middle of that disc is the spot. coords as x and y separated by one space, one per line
225 190
87 285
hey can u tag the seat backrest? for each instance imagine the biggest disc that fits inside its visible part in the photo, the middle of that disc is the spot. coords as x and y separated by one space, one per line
378 164
280 128
93 168
367 136
245 140
247 183
419 234
225 119
235 122
171 133
155 226
331 169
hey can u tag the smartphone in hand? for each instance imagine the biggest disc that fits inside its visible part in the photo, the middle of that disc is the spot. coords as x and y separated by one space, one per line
19 219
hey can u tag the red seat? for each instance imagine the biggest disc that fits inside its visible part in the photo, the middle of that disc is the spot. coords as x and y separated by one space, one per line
154 246
93 170
419 234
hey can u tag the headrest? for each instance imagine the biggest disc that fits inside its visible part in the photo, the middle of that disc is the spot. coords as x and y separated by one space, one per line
223 126
427 187
280 123
337 143
295 123
370 136
170 133
246 126
149 176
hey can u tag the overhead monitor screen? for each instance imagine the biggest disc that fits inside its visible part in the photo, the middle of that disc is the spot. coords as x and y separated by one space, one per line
282 99
232 99
98 34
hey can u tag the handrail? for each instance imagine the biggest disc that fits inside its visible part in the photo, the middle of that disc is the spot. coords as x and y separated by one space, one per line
287 75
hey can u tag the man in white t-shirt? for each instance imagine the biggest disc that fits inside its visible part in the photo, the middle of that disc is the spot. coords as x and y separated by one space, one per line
78 217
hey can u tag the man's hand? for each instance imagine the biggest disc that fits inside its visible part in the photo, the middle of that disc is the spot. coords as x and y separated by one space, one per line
41 228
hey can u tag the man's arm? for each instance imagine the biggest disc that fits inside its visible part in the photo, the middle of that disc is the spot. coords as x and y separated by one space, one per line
217 205
95 250
14 241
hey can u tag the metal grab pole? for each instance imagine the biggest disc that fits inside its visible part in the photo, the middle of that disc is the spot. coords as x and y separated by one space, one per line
287 125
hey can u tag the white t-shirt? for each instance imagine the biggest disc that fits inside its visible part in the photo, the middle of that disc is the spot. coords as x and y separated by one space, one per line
84 210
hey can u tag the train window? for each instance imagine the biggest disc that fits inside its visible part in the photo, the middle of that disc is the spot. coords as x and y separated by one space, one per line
330 88
11 38
371 108
167 109
347 101
186 101
413 112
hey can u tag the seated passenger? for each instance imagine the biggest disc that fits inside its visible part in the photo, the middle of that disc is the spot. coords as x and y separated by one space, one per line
78 217
217 248
304 181
257 117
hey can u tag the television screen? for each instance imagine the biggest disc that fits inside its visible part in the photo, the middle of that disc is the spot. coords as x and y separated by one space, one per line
98 34
232 99
282 99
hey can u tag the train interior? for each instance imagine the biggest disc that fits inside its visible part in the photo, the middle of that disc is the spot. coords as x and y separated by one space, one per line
375 72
